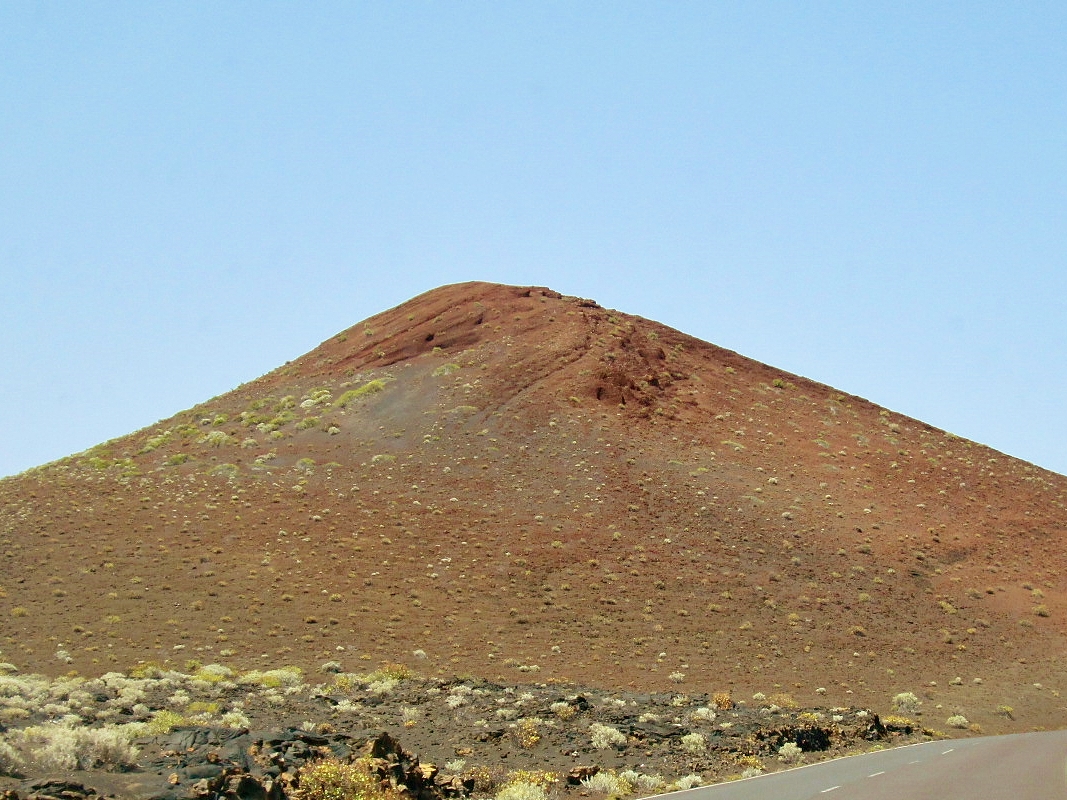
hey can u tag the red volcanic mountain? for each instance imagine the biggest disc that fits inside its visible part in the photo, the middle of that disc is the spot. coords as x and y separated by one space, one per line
502 481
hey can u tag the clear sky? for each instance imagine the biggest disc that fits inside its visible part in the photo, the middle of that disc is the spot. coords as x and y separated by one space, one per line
872 195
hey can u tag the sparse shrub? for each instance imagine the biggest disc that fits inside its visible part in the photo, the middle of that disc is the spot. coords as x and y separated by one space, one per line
367 389
147 669
226 470
382 686
702 714
65 747
906 703
957 721
213 673
273 678
396 672
522 784
164 721
11 762
790 753
607 782
235 719
604 736
455 700
649 783
687 782
157 441
751 762
316 397
281 419
333 779
483 777
563 710
640 782
694 743
528 732
897 722
217 439
521 790
722 701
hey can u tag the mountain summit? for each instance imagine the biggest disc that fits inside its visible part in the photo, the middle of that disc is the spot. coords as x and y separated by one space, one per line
504 481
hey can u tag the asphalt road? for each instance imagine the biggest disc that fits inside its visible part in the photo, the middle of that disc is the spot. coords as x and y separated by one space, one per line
1025 766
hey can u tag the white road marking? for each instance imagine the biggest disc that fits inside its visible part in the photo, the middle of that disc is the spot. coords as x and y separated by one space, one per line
824 791
915 762
948 751
876 774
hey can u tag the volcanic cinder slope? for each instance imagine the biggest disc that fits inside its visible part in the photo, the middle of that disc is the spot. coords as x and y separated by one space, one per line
505 482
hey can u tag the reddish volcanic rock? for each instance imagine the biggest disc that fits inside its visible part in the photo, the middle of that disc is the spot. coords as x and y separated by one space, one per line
512 483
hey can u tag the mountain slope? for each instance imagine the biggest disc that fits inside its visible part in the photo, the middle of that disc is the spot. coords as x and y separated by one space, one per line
511 481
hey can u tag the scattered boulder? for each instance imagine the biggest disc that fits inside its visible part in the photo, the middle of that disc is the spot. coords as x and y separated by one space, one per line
402 770
579 774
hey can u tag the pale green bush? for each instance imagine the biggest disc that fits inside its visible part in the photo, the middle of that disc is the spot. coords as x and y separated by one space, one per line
906 703
521 790
694 743
648 784
273 678
604 736
11 762
607 782
790 753
687 782
217 439
702 714
65 747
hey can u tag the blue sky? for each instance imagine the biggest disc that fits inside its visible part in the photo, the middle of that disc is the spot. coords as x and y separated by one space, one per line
872 195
